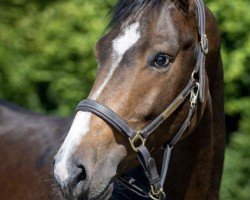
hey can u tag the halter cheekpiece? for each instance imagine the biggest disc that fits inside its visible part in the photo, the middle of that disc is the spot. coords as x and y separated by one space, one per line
195 90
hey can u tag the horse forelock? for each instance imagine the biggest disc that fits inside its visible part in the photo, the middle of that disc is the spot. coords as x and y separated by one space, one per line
125 9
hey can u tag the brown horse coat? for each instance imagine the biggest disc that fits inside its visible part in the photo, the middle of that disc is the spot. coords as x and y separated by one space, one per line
27 144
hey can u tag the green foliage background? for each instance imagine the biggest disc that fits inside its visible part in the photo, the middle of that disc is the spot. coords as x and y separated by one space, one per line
47 65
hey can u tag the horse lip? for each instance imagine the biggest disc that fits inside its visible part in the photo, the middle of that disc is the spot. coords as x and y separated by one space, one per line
73 191
77 192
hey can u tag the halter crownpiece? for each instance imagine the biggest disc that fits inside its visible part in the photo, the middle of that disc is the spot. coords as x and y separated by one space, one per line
195 89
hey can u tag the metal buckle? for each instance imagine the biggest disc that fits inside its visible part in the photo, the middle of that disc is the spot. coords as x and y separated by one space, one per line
193 75
194 95
137 138
157 195
204 43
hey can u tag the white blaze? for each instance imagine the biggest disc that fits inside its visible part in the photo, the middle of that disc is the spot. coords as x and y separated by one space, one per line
80 127
121 44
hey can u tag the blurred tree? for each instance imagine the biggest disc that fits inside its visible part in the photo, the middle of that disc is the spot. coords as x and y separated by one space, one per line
47 64
234 22
46 52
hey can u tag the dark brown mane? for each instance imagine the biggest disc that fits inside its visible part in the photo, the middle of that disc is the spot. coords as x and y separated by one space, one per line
130 8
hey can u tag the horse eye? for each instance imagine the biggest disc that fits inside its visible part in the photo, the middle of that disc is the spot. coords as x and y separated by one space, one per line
161 60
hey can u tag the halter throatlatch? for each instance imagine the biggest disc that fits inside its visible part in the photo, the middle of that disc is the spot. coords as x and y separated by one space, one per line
195 90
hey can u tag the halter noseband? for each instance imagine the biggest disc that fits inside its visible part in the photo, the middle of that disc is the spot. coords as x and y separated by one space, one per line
195 89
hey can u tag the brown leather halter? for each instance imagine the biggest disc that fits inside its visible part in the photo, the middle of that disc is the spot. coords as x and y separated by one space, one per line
195 89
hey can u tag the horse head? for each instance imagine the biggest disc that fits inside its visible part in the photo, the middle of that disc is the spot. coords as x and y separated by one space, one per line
144 62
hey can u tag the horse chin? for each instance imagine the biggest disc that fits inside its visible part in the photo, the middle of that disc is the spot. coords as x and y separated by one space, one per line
104 194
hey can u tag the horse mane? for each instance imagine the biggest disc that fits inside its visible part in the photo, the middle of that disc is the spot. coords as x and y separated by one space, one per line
130 8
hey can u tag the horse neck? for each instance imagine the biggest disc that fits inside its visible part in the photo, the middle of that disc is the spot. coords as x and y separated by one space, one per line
23 122
10 112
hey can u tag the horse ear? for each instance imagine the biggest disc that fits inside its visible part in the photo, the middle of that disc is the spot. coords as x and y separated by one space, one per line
184 4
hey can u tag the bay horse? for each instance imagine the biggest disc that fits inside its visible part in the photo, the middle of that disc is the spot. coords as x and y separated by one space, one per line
28 142
159 67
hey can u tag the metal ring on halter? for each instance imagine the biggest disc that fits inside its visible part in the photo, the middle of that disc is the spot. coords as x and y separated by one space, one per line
194 95
204 43
159 195
137 138
193 74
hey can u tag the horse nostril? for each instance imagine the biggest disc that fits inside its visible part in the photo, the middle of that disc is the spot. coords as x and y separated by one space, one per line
82 176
